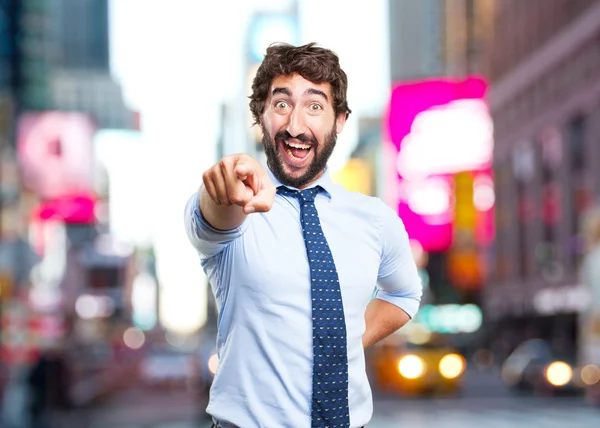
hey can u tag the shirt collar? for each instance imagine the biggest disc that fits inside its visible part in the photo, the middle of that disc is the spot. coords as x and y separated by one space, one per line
324 181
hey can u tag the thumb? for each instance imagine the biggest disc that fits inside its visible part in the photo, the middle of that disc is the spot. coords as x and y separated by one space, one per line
262 201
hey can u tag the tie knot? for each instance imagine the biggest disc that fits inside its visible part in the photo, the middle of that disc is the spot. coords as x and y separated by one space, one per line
303 196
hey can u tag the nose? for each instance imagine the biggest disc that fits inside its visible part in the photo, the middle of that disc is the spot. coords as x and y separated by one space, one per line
296 124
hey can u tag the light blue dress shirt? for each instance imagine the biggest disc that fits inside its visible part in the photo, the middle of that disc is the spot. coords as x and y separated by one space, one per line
260 277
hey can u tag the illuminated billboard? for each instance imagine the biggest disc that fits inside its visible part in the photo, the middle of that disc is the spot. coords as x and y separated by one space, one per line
436 129
55 153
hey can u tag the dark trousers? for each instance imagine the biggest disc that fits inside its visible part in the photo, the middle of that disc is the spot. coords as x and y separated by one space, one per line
217 426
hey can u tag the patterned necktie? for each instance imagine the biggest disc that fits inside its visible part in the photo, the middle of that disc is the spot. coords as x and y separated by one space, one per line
330 358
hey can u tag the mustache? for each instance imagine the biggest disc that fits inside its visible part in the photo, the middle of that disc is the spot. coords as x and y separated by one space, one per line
303 138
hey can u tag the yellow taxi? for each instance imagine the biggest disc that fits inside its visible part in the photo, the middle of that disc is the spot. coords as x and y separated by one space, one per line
412 370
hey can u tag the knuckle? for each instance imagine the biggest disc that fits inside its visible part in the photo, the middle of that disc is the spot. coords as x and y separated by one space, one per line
236 200
207 176
234 196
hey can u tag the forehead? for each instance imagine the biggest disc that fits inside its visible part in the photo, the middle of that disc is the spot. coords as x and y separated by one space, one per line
297 85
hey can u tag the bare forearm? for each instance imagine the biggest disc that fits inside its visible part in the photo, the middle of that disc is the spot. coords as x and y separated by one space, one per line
222 217
382 319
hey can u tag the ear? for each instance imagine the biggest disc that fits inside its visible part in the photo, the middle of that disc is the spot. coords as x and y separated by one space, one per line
340 121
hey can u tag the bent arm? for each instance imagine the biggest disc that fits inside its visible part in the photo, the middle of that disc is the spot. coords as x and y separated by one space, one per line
398 293
382 319
395 302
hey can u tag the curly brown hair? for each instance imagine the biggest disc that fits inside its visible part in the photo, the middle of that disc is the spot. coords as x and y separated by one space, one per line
319 65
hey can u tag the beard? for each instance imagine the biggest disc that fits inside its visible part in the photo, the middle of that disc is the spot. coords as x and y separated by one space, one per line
277 165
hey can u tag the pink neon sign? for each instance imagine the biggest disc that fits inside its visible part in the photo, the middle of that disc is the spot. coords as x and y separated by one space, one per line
437 128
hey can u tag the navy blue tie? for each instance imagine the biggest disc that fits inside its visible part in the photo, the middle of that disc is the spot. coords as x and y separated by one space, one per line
330 357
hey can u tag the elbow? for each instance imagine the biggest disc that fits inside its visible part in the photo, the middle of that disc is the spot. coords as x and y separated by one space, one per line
408 302
189 219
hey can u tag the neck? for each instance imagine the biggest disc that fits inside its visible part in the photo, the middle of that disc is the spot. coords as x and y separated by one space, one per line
319 175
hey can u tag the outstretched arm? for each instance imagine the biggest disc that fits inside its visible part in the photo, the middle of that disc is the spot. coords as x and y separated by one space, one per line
233 188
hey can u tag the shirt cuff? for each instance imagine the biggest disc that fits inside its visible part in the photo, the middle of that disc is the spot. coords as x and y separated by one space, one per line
207 240
211 234
408 304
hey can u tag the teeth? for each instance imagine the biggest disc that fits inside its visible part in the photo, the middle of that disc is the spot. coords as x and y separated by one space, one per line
298 146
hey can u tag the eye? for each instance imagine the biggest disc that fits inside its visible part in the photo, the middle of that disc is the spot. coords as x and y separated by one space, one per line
315 107
281 105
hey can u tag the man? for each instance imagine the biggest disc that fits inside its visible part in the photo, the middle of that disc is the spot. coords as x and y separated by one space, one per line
292 259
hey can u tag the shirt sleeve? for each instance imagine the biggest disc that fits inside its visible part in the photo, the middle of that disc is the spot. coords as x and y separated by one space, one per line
398 280
207 240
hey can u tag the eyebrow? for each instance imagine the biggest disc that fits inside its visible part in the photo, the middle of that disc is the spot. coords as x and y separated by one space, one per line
309 91
284 91
313 91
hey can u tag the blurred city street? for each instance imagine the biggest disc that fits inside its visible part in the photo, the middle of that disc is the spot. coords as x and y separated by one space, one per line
139 407
477 122
485 402
483 411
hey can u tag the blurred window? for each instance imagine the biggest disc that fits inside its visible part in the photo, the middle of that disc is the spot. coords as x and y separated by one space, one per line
580 193
83 33
524 171
501 172
551 155
523 208
103 277
577 129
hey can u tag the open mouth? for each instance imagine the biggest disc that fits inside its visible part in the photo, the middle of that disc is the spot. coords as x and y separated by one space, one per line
297 152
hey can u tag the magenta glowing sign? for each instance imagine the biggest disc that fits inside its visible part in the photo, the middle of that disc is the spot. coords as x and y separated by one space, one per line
68 209
437 128
55 152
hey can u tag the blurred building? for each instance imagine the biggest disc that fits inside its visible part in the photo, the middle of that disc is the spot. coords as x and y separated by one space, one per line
543 61
92 91
56 90
416 39
434 38
467 25
81 31
441 41
62 60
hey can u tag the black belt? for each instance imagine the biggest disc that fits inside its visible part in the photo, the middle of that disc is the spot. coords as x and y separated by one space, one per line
219 426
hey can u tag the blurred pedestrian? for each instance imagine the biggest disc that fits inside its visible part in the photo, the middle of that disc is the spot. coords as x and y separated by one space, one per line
48 383
589 331
292 259
4 379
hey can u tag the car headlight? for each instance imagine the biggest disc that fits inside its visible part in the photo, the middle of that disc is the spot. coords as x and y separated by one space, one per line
590 374
558 373
451 366
411 367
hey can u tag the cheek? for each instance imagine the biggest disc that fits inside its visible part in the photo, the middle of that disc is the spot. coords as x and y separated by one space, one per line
318 129
273 123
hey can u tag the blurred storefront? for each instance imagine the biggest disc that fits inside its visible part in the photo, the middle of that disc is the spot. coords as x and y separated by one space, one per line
59 273
362 172
438 157
543 62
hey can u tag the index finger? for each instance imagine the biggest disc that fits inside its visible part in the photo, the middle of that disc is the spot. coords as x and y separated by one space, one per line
249 174
263 200
237 192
